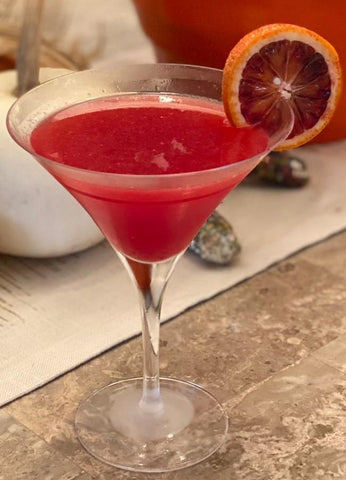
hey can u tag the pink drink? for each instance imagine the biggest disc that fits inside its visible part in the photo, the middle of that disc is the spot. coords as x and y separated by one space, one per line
147 135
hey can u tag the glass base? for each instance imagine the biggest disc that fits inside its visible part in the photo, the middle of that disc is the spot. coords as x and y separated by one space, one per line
189 427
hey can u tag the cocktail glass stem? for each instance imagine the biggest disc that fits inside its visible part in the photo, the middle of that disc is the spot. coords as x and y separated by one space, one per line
150 280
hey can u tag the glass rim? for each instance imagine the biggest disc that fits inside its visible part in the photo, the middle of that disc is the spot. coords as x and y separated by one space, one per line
125 176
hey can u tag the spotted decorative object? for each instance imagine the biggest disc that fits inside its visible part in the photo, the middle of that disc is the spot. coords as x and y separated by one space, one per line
216 241
282 169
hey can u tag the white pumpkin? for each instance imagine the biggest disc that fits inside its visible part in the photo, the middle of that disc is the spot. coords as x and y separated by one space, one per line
38 217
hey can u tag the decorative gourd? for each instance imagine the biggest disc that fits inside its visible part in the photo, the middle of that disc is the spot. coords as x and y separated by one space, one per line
38 217
204 32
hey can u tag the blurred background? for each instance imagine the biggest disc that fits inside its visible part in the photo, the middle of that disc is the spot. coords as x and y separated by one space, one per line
81 33
95 33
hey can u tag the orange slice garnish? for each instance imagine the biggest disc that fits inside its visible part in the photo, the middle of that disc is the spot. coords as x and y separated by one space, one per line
278 64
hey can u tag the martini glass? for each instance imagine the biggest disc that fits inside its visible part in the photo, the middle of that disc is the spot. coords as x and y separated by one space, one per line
147 424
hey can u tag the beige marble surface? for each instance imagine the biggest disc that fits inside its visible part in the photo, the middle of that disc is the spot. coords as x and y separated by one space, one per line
273 349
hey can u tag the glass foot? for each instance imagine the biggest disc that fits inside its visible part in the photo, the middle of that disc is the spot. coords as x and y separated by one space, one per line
187 428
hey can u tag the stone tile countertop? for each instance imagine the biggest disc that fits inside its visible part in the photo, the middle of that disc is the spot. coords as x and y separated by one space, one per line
272 349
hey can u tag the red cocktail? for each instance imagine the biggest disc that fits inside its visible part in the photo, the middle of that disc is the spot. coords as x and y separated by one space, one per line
152 135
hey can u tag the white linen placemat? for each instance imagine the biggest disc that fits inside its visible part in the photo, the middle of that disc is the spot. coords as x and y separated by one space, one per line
56 314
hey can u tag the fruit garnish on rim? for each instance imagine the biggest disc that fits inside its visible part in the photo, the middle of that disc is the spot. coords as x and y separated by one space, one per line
280 65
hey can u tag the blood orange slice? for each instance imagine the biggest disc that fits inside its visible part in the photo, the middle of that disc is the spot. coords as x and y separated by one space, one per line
278 64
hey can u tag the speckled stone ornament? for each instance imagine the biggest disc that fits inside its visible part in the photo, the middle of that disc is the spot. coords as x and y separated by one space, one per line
282 169
216 241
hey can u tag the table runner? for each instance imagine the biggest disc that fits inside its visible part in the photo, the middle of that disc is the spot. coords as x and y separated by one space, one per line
58 313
